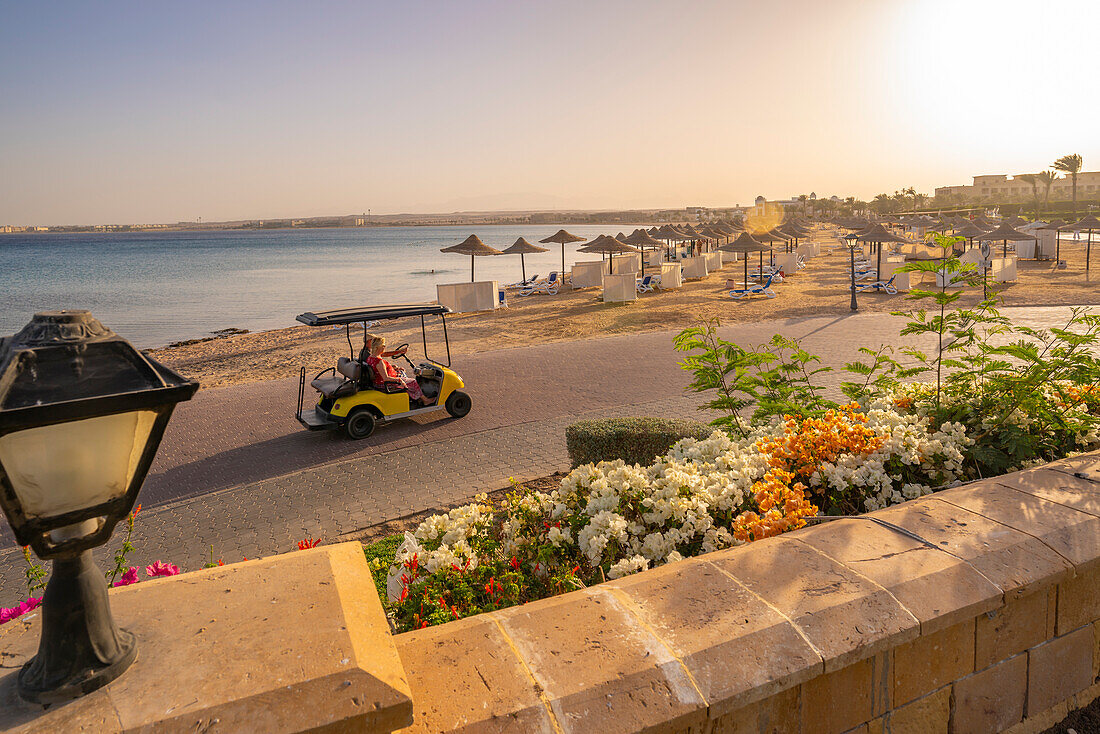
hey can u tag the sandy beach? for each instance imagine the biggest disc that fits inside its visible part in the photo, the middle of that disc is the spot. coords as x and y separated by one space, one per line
820 289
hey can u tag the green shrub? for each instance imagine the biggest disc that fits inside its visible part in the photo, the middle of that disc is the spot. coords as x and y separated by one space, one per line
634 440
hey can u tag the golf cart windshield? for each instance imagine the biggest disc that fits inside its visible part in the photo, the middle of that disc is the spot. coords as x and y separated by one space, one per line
367 314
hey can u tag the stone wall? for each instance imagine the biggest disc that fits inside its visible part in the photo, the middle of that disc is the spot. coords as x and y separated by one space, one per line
973 610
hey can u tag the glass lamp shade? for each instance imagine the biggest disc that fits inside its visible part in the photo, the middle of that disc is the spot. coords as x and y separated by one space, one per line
82 414
65 467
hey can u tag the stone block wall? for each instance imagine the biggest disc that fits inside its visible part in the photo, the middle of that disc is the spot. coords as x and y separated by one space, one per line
973 610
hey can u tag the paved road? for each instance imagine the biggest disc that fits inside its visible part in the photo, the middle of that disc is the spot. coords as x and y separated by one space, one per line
236 471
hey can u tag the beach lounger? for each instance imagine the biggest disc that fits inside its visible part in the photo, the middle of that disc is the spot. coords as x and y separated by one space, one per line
547 287
645 285
886 286
764 289
524 283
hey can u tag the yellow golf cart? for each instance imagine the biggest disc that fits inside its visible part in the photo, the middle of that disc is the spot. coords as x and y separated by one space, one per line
353 399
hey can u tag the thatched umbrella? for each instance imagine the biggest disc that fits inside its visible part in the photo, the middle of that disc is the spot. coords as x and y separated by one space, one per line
983 221
561 237
522 247
1015 222
1088 223
879 234
969 231
670 234
610 246
744 244
1005 232
474 247
642 239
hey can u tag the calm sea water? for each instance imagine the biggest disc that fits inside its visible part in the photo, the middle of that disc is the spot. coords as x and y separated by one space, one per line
156 288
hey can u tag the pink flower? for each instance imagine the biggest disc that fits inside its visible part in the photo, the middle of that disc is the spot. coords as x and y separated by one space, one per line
7 615
161 569
130 577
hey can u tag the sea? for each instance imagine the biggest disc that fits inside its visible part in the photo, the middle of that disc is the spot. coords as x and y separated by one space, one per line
156 288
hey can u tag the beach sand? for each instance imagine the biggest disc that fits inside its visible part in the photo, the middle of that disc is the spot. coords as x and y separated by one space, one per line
820 289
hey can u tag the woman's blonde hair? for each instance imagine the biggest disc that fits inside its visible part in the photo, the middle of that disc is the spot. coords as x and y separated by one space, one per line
374 343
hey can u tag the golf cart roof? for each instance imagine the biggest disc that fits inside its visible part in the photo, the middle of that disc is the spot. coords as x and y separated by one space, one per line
340 316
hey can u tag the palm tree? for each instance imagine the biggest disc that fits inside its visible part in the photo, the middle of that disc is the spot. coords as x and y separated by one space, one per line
1070 164
1046 178
1033 179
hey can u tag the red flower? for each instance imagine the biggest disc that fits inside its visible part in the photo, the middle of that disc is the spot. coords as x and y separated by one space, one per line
136 510
308 543
404 594
514 563
575 569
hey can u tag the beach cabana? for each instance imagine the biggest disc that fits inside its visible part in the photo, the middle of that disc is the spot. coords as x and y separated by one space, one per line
474 247
1005 233
605 245
522 247
563 238
1056 225
744 244
1088 223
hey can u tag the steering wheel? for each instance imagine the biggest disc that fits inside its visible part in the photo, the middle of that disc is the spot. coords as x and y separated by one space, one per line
400 349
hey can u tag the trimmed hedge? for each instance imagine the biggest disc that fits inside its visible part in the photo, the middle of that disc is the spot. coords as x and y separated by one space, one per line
634 440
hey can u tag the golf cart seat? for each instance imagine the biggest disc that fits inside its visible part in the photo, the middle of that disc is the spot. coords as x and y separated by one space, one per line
344 383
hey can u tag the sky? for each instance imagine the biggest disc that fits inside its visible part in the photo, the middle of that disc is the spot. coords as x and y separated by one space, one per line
148 112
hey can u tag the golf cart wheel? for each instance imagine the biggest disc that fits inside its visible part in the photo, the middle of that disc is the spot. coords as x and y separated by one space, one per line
458 404
360 424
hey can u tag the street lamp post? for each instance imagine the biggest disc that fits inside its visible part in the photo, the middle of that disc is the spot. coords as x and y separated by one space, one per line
851 240
82 413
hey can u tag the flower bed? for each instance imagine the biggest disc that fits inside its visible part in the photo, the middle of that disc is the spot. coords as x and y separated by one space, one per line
611 519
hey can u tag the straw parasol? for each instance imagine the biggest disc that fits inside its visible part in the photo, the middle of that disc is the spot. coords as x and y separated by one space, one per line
522 247
474 247
969 231
744 244
1005 233
610 246
1088 223
643 239
561 237
879 234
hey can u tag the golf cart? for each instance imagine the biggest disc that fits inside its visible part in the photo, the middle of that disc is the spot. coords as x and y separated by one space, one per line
354 399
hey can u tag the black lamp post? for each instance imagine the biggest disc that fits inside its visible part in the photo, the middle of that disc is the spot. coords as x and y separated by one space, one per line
852 242
81 416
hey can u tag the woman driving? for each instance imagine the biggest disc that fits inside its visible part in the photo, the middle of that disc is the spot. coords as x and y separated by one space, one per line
387 373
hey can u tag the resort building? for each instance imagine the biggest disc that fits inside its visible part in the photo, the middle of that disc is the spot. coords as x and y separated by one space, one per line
1002 186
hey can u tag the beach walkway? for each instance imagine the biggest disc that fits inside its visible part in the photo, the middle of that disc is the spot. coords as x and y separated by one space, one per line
237 472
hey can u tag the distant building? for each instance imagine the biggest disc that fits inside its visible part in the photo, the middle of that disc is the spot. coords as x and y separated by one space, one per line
1009 188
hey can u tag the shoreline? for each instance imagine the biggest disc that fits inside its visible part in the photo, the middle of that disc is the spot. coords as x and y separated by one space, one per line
819 290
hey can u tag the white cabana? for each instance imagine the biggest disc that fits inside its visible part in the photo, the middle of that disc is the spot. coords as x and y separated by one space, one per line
694 267
480 295
620 287
671 275
587 274
714 261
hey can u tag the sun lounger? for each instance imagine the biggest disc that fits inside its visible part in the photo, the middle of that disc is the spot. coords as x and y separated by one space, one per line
547 287
524 283
764 289
645 285
886 286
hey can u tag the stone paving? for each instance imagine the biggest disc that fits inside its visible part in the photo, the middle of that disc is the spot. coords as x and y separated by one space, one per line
238 473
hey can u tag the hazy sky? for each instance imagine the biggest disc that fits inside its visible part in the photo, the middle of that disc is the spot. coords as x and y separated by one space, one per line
159 112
